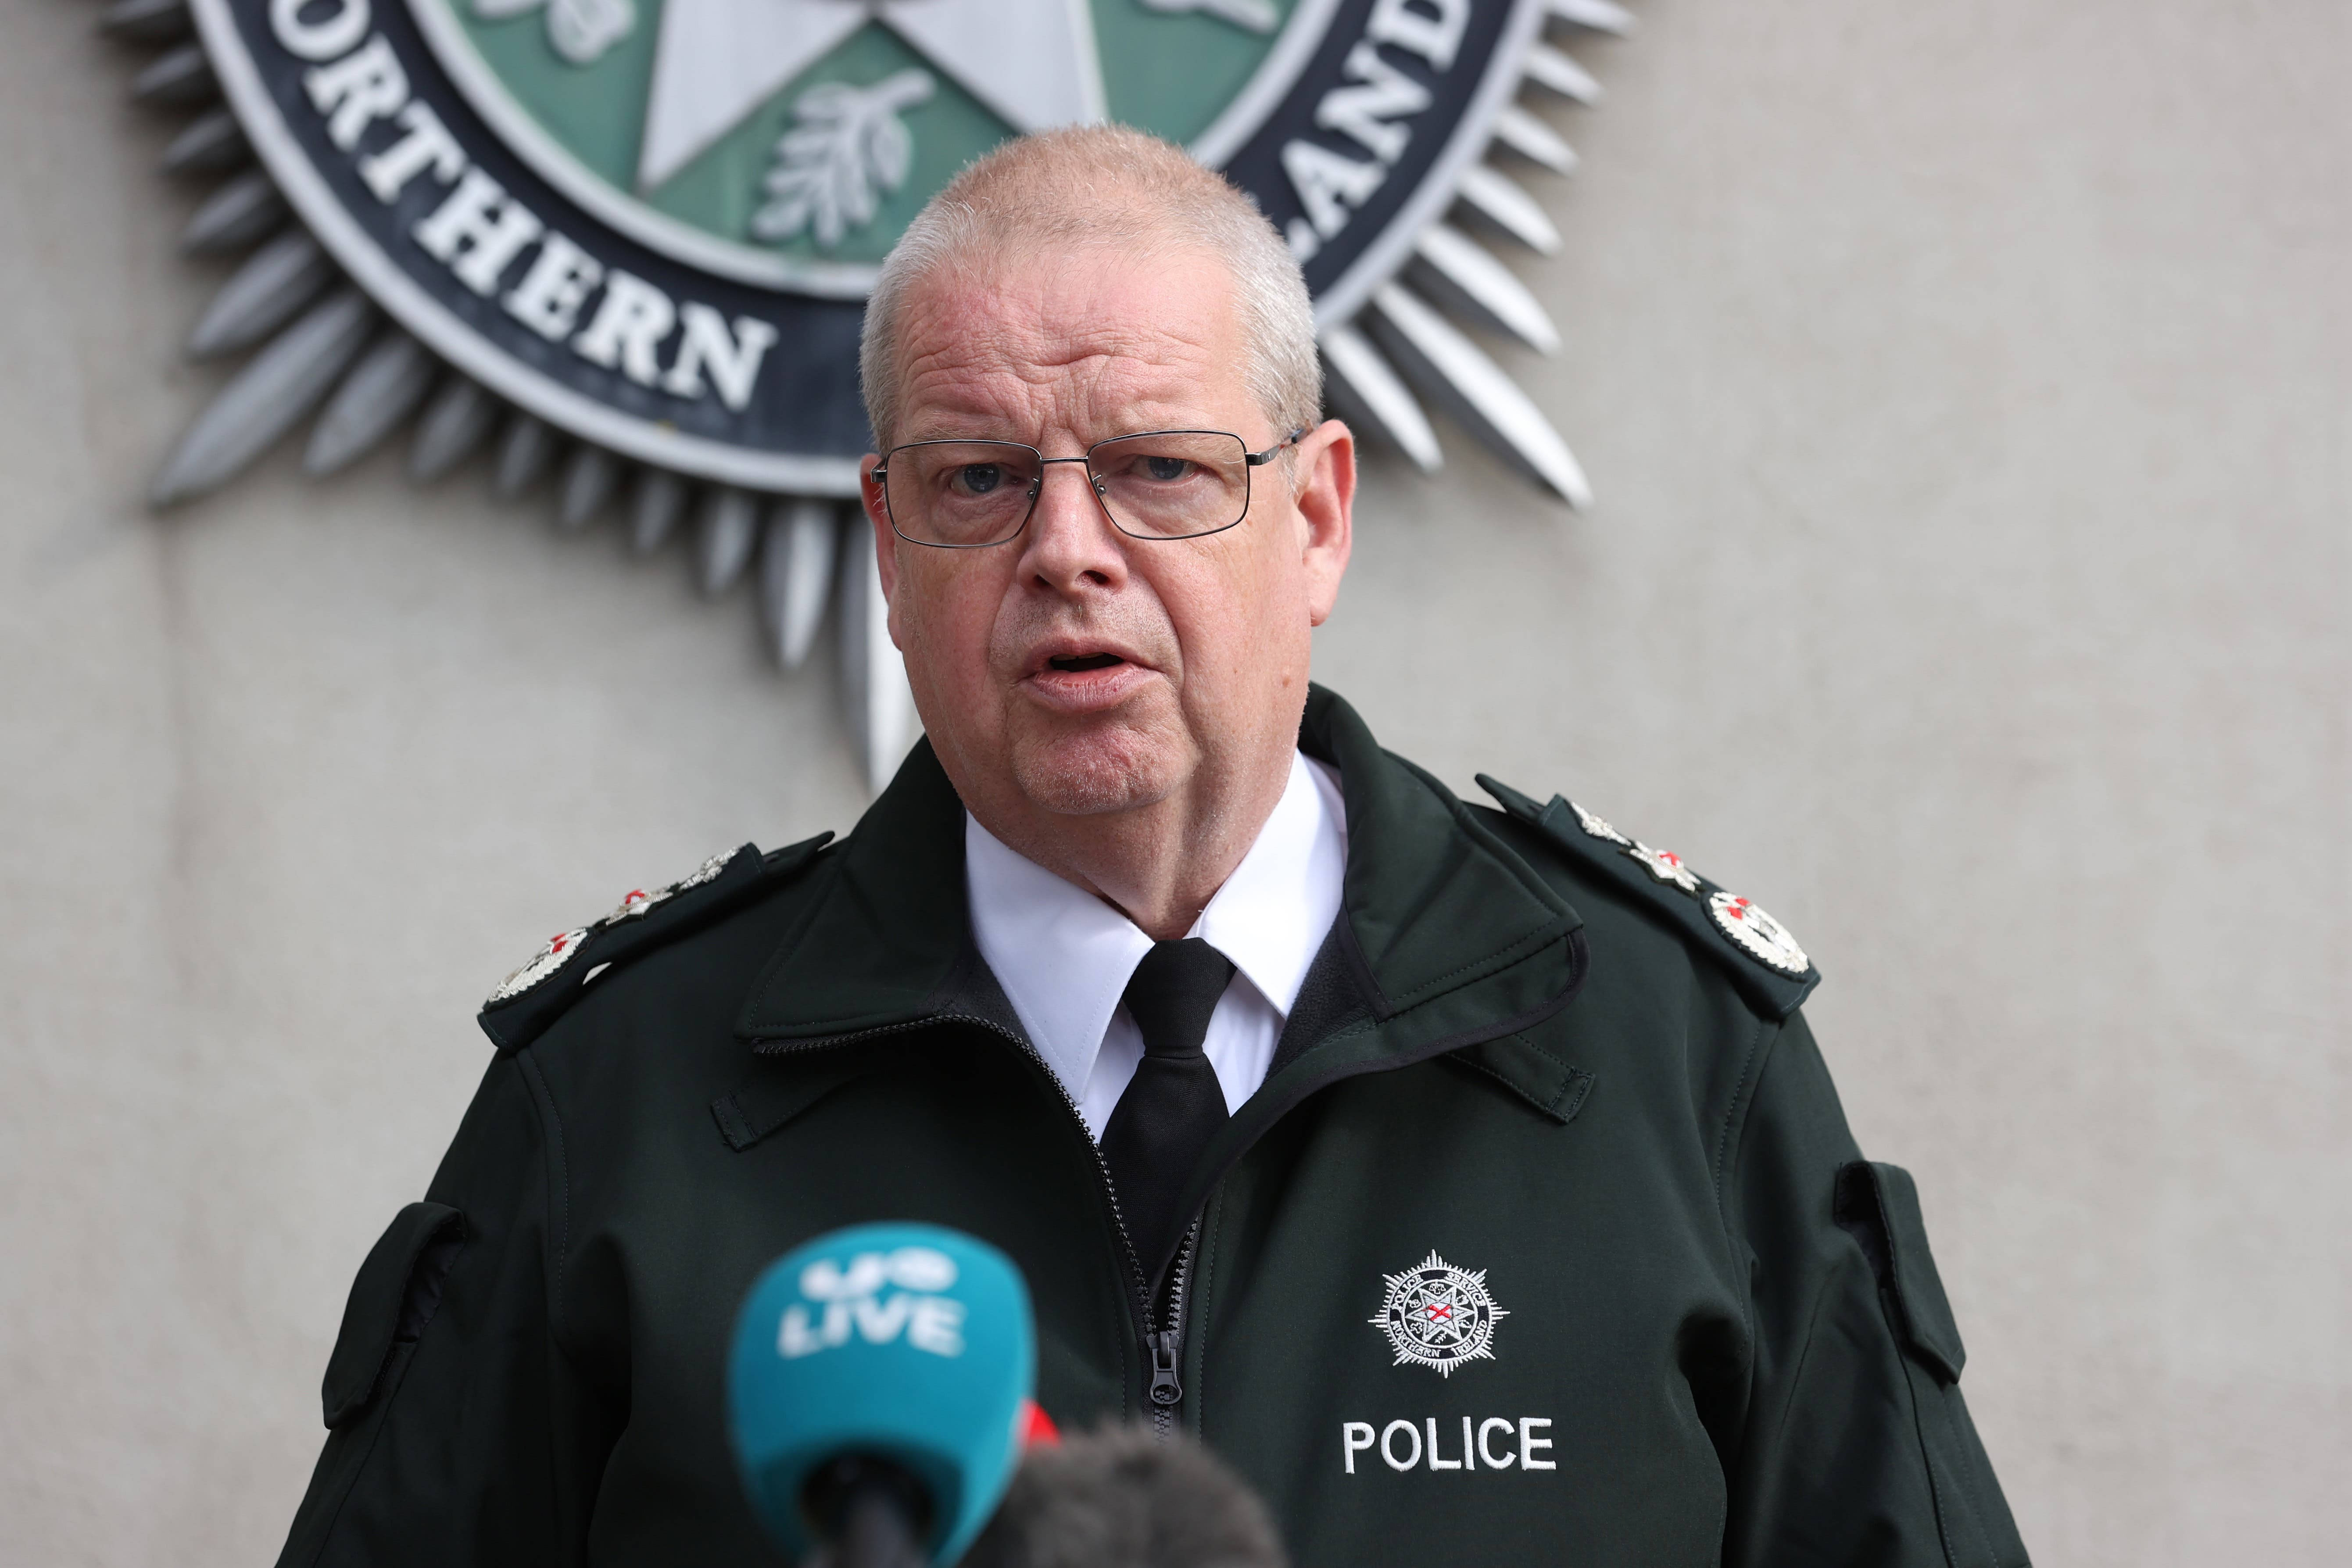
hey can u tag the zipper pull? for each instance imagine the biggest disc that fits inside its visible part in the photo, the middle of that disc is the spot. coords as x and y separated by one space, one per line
1166 1390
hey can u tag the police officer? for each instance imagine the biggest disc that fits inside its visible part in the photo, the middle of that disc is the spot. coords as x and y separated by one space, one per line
1465 1175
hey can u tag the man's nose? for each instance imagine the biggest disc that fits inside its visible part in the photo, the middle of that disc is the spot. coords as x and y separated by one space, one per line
1071 539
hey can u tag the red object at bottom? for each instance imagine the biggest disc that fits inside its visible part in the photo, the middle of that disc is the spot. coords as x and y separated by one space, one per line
1035 1428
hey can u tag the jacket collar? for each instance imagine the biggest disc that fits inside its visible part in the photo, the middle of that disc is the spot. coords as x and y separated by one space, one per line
1449 934
1434 901
885 932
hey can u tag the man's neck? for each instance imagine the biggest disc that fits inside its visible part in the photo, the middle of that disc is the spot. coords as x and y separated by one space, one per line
1158 864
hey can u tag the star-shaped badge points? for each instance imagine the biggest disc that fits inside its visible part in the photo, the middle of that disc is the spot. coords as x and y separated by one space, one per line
1031 62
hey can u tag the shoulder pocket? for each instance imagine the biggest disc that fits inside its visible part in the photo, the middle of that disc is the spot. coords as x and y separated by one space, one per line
396 1293
1878 1205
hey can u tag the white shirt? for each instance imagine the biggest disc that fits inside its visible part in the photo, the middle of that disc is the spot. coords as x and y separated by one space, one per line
1065 956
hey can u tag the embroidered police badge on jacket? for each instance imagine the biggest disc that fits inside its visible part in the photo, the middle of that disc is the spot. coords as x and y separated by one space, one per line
1439 1316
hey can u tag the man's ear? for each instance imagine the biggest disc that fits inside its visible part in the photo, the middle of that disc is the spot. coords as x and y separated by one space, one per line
1326 500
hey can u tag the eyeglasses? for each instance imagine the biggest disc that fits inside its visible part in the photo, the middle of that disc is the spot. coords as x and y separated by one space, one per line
1159 484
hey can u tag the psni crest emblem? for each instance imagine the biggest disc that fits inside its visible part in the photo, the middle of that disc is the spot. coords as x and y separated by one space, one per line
1439 1316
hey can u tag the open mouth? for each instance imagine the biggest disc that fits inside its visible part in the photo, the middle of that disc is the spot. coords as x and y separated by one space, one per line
1085 661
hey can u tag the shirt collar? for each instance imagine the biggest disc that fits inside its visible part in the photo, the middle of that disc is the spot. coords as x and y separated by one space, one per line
1063 956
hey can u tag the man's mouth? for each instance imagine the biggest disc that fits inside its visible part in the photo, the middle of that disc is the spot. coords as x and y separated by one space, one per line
1078 679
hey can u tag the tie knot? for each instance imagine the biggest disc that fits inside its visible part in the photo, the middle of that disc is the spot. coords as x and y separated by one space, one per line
1172 993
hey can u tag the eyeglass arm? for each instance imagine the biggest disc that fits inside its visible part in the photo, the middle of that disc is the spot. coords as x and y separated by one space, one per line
1260 459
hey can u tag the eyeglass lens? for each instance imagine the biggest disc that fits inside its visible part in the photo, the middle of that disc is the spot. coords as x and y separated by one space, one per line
1164 485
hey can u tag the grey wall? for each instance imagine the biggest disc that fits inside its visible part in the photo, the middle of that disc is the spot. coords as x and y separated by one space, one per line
1965 391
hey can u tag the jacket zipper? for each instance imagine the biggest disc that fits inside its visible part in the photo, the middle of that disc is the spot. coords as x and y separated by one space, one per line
1167 1342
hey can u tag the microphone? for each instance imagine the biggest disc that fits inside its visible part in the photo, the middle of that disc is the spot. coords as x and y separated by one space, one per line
1123 1498
877 1385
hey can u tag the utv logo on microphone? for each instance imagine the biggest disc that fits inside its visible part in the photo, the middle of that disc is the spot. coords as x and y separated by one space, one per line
1439 1316
878 1298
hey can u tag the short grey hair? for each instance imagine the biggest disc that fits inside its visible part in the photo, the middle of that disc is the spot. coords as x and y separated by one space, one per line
1112 188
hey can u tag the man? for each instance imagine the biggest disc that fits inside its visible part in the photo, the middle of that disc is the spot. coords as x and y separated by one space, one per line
1466 1177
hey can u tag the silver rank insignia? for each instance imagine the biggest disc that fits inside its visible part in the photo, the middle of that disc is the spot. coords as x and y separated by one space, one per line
560 947
1598 826
637 901
544 962
1439 1316
1759 935
1665 866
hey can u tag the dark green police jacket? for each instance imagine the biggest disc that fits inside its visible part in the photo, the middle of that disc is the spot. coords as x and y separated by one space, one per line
1544 1241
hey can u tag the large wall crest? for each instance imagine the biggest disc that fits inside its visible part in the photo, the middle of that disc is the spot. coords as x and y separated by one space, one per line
628 242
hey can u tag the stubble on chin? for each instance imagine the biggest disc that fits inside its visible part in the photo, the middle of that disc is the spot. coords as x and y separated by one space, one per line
1110 763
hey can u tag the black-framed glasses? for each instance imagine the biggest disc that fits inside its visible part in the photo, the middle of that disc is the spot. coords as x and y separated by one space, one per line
1157 484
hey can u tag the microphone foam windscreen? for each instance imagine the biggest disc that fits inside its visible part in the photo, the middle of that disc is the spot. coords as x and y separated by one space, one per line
1121 1498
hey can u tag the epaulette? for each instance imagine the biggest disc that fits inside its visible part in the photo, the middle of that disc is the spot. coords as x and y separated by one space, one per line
531 999
1762 959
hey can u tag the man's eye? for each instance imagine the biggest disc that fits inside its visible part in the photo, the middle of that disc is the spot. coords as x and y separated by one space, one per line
977 479
1165 470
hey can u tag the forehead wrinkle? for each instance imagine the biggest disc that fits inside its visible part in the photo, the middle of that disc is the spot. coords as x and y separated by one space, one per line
1014 344
1025 376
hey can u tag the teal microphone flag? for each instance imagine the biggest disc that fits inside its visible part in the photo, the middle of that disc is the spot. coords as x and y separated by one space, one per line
910 1344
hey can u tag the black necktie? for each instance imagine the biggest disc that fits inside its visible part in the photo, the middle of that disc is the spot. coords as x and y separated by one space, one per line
1173 1105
